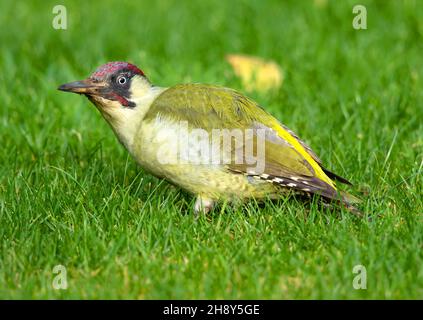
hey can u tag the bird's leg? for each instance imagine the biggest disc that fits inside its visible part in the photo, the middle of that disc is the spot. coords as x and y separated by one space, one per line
203 205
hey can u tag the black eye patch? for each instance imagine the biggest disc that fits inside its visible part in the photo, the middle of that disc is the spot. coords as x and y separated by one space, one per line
121 83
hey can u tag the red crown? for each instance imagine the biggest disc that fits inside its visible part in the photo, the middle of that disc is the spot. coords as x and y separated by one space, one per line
112 67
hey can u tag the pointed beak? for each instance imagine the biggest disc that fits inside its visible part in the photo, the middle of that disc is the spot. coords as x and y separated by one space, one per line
87 86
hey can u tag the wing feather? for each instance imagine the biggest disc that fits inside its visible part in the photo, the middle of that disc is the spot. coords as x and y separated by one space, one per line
288 160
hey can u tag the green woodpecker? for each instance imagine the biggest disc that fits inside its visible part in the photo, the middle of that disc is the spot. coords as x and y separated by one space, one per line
211 141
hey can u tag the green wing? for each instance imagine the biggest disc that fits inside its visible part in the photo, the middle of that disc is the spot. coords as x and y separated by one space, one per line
289 162
205 106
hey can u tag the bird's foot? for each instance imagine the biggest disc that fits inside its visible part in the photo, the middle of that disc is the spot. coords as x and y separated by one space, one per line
203 205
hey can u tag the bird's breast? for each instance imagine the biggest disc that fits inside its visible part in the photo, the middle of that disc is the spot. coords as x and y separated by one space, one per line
173 151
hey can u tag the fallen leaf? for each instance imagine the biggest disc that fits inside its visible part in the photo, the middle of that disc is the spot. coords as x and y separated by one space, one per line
256 73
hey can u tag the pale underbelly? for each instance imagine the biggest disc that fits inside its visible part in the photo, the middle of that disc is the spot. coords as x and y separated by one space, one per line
154 151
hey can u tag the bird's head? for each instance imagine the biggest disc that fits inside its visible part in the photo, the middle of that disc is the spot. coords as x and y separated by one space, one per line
113 85
120 91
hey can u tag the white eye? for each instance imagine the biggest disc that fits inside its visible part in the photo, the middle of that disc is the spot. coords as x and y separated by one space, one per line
121 80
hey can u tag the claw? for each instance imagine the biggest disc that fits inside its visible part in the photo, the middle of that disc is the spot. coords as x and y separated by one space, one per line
203 205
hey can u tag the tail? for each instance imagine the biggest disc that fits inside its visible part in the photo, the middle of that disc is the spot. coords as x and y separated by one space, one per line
350 202
349 198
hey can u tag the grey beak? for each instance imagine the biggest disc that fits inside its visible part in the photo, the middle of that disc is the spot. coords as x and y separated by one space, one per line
86 86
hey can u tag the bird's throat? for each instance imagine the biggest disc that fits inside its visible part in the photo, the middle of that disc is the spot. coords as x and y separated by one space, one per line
126 121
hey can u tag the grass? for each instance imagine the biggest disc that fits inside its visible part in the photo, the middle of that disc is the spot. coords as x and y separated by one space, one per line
70 195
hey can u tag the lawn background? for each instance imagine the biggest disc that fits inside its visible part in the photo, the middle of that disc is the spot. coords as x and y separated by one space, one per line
70 195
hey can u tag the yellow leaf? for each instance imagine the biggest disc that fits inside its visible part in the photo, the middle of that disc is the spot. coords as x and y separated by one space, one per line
256 73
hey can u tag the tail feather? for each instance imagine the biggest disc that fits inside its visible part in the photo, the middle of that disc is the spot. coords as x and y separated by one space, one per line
349 198
351 203
307 185
313 185
336 177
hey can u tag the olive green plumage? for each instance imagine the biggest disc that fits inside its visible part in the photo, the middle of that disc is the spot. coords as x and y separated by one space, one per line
289 163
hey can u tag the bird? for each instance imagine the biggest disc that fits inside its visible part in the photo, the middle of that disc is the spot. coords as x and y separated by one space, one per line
212 141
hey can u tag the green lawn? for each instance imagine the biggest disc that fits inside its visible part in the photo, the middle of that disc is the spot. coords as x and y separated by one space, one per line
71 196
